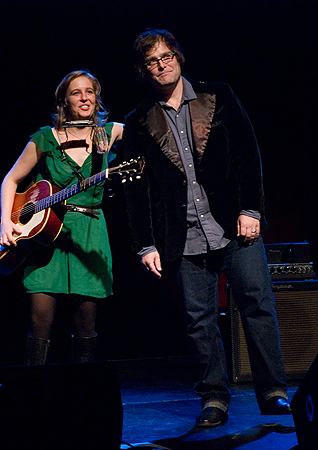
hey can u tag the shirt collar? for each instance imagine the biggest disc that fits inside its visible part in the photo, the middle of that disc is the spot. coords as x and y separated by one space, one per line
188 92
187 96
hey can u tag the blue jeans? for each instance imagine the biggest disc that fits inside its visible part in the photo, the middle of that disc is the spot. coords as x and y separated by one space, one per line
246 268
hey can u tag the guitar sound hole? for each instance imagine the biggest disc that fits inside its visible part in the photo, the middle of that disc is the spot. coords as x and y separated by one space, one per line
27 213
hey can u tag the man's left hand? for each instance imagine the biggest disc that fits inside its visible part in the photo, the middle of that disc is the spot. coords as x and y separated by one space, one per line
248 228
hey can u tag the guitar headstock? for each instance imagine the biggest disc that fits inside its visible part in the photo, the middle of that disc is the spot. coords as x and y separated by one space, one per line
129 170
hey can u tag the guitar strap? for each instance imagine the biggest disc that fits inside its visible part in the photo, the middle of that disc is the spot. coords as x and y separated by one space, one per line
97 160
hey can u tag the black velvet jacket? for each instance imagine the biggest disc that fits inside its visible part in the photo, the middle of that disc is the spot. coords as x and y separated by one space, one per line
228 165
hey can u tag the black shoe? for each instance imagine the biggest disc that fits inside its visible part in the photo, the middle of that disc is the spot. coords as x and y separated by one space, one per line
211 417
276 406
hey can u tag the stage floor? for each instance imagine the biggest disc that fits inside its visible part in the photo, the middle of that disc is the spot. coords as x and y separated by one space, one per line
160 408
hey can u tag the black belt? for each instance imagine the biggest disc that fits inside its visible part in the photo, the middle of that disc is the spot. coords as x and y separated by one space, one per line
88 210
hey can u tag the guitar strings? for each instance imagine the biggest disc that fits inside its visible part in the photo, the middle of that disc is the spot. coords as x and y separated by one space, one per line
63 194
55 198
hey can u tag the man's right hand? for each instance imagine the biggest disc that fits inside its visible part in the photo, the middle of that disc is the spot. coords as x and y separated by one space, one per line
152 264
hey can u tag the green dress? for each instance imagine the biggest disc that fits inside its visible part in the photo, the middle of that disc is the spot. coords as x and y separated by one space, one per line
79 261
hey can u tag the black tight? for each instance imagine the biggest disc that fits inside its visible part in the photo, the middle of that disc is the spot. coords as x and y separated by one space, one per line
43 308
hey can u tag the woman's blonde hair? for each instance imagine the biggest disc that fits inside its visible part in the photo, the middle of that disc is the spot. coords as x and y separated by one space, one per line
62 113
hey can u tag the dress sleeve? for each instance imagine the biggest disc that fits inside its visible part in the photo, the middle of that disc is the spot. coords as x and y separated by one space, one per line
44 138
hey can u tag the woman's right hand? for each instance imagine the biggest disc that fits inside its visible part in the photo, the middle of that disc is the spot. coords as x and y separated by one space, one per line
9 232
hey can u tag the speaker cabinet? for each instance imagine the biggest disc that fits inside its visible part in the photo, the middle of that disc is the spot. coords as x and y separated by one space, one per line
305 410
66 406
297 316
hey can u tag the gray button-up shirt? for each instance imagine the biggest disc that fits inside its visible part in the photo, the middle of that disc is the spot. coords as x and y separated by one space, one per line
204 233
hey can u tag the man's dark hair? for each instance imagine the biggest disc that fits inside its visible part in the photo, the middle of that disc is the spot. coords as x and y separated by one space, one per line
146 41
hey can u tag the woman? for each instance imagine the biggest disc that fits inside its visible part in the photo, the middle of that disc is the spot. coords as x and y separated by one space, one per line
78 262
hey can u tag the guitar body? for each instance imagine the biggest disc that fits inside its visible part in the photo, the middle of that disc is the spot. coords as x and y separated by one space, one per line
40 211
38 228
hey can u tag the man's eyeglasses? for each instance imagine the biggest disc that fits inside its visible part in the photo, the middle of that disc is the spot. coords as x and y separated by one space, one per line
166 59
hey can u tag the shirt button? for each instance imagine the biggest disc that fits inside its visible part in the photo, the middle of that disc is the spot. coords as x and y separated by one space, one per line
194 182
186 148
181 131
190 165
198 199
201 215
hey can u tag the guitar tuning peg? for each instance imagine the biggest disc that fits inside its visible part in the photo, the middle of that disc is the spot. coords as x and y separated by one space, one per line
130 178
123 180
138 177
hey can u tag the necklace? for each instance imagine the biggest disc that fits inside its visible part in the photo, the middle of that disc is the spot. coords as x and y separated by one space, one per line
81 142
77 137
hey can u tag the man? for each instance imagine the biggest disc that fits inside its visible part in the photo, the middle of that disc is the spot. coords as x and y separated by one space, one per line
199 210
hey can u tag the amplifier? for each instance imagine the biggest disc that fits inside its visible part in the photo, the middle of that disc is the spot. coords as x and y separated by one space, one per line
287 253
291 271
297 316
289 261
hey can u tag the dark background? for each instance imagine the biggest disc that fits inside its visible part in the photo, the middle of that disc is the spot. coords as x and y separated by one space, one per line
265 49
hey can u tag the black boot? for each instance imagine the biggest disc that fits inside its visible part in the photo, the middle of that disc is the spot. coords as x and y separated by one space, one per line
36 351
83 348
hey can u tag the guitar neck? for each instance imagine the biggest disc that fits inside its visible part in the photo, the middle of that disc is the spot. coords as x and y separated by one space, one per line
131 169
70 191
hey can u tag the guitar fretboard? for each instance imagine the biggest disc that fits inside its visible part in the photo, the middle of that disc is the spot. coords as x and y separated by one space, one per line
62 195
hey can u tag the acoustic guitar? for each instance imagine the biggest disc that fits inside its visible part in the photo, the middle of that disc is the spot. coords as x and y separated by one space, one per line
39 212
